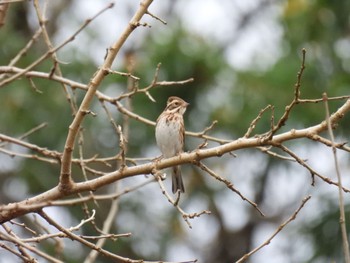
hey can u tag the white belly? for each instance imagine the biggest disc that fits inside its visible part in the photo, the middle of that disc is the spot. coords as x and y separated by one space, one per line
168 138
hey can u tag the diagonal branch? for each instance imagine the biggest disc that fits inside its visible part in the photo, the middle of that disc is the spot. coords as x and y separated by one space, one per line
340 186
279 229
229 185
65 177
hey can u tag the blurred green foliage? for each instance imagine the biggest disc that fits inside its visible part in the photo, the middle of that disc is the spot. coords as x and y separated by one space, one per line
321 27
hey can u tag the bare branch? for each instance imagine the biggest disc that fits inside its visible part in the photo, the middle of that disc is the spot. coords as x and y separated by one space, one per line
255 121
88 244
156 17
229 185
279 229
295 101
342 219
49 53
29 205
312 171
66 182
175 203
18 242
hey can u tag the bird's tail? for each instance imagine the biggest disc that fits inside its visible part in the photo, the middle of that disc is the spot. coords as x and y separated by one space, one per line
177 180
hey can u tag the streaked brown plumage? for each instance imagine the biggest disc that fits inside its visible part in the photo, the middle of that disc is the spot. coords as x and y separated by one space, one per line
170 135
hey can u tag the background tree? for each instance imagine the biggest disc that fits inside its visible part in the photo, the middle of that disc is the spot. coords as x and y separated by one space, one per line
242 57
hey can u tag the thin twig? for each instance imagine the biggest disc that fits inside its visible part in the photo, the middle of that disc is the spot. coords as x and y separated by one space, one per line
91 245
20 248
156 17
107 225
295 101
268 151
49 53
24 227
56 68
229 185
14 252
175 203
342 219
279 229
255 121
24 51
59 243
312 171
18 242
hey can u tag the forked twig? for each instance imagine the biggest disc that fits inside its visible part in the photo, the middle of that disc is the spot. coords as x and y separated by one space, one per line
312 171
281 122
255 121
175 203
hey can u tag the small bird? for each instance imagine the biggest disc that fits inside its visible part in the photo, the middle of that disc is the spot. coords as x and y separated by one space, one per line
170 136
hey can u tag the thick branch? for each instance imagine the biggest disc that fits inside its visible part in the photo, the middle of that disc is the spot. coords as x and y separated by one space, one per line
65 177
10 211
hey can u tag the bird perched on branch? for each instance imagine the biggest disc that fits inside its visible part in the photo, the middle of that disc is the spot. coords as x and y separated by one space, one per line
170 136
